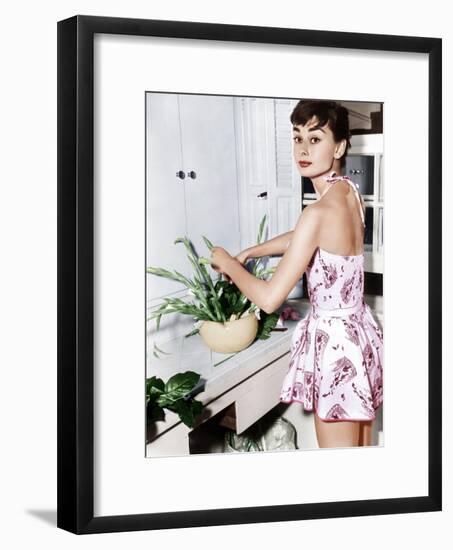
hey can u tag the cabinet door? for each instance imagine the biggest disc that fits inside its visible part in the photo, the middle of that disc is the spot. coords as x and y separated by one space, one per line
269 180
254 126
285 189
165 203
208 149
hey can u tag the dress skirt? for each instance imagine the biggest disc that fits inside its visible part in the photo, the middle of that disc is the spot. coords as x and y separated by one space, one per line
336 364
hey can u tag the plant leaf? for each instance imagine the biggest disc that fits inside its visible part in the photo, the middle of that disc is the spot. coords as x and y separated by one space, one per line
208 243
154 387
194 331
266 324
187 410
261 229
160 350
178 386
160 272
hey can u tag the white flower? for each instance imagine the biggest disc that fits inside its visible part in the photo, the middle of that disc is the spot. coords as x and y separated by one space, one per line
257 313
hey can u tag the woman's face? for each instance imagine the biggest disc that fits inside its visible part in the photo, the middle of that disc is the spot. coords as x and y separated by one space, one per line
315 149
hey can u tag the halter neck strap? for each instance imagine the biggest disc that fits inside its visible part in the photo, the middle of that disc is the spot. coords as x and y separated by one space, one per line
333 177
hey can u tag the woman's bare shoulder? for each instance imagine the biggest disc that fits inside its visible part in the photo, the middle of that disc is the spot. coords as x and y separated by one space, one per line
309 219
313 211
329 214
320 209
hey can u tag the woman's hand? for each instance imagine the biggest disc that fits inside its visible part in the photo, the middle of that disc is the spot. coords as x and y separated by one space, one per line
219 260
242 257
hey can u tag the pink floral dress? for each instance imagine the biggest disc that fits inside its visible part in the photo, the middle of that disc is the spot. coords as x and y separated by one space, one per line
336 359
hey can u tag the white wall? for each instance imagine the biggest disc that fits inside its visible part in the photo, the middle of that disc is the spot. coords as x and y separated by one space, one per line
28 285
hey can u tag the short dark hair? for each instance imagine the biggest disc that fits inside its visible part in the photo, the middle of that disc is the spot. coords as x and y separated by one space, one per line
330 112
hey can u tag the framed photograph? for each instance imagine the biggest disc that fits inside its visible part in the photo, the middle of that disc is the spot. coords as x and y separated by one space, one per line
221 319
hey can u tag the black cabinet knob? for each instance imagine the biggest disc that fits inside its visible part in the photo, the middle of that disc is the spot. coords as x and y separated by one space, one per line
180 175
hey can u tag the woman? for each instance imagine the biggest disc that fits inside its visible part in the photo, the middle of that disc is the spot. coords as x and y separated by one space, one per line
337 349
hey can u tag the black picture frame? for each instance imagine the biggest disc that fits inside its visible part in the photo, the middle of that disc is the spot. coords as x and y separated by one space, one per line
75 274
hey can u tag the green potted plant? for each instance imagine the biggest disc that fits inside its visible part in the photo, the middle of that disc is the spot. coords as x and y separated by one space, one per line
226 320
174 395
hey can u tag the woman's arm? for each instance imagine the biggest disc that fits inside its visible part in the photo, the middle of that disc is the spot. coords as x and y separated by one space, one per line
269 295
273 247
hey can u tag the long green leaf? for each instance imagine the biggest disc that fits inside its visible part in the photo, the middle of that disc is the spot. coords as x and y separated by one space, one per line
221 316
191 333
187 282
176 305
160 272
261 229
208 243
193 257
196 267
160 350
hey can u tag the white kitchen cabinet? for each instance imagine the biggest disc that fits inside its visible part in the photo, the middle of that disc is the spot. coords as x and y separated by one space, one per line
165 194
268 180
285 188
191 182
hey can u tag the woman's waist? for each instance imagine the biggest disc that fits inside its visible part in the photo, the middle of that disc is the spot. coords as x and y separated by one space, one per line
342 311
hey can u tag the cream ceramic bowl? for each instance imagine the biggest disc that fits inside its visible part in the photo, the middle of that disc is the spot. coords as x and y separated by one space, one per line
229 337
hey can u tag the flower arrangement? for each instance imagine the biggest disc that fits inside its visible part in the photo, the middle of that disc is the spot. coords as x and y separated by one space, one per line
213 300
